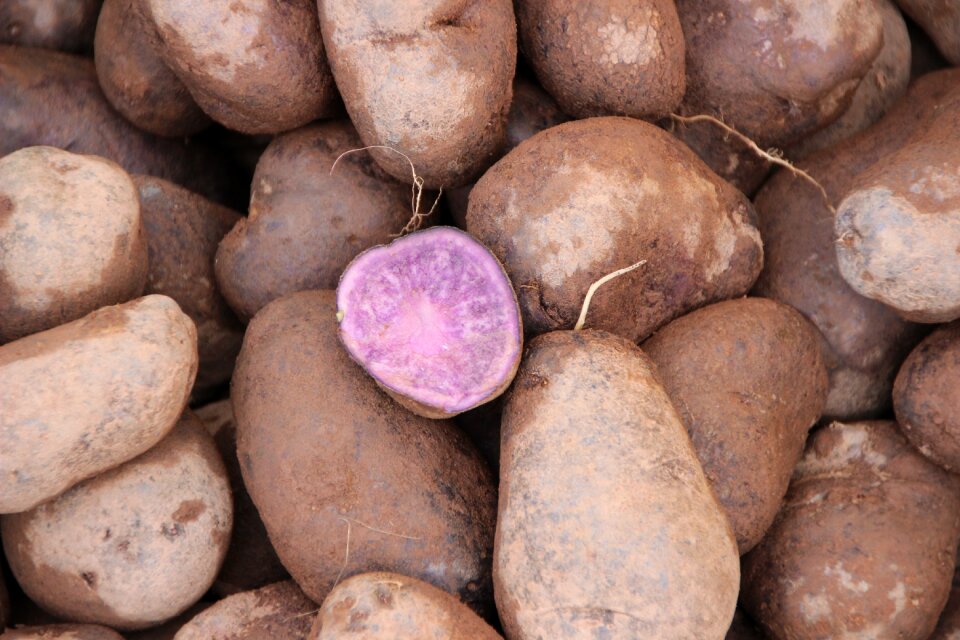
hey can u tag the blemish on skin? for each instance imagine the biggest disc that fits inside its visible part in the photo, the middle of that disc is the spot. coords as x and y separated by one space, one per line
898 595
846 578
188 511
815 608
624 43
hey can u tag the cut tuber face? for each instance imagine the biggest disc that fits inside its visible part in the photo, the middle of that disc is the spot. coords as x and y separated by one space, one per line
434 319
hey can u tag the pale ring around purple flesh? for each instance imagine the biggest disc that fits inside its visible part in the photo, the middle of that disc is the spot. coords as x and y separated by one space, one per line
432 317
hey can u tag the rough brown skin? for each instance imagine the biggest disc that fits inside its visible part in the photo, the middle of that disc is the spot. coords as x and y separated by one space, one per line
941 20
948 627
389 606
898 226
251 561
615 57
183 231
444 99
257 67
885 82
531 111
726 155
926 396
52 98
864 341
585 198
61 632
135 545
89 395
67 25
71 239
168 629
135 80
607 525
278 611
306 223
776 71
748 380
342 459
864 545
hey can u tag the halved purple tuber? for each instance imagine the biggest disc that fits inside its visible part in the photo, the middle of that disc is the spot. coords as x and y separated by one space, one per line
434 319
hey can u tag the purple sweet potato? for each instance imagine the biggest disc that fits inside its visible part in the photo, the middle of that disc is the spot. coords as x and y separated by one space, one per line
434 319
306 223
135 80
67 25
52 98
585 198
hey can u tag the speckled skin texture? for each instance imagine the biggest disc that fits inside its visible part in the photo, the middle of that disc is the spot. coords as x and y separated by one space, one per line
941 20
777 70
71 239
864 341
61 632
135 545
613 57
430 78
276 612
926 396
52 98
183 231
251 561
884 84
531 111
607 527
135 80
864 545
748 380
898 226
389 606
90 395
67 25
327 456
306 224
252 65
585 198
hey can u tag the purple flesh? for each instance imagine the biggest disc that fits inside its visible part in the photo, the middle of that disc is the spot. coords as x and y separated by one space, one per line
433 317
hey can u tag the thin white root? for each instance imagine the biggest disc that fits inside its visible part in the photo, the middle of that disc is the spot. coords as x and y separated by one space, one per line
416 189
596 285
375 530
773 156
346 554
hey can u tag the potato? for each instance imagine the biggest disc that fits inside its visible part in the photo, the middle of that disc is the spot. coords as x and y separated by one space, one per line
67 25
897 228
52 98
886 81
941 20
389 606
780 71
346 480
135 545
253 66
89 395
864 545
926 396
531 111
429 78
251 561
71 239
726 155
135 80
306 223
864 341
61 632
582 199
276 612
183 232
169 629
748 380
606 58
607 526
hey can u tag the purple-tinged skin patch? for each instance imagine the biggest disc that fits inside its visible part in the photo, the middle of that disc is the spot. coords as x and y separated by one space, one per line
432 317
